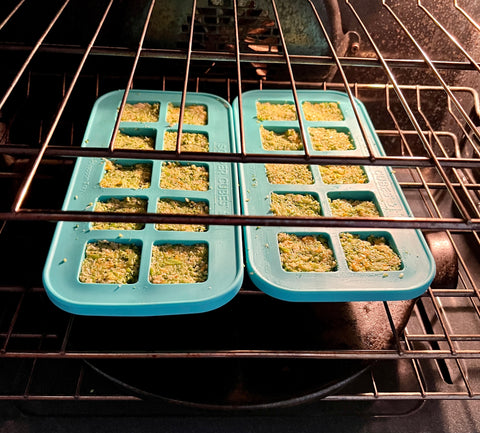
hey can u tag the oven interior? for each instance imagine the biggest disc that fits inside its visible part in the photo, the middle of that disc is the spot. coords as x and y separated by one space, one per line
413 66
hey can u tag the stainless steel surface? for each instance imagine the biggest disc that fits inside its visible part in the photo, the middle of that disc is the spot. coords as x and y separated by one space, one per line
416 69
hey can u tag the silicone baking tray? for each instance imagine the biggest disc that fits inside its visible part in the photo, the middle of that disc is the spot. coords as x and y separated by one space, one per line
143 298
341 284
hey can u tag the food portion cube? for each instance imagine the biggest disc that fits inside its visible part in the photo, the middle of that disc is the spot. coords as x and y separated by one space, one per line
187 207
298 174
190 177
274 111
192 115
330 139
288 140
309 253
191 142
342 174
353 208
126 141
125 205
140 112
322 111
110 263
369 255
135 176
295 205
177 263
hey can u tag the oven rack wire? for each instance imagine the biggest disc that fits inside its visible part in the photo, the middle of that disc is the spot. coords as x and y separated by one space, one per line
436 166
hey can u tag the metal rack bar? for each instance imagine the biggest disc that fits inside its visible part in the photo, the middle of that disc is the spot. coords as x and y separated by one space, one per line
345 82
241 131
251 354
454 224
439 143
449 35
218 56
185 83
466 15
100 152
433 69
11 14
293 84
111 145
36 163
410 113
34 50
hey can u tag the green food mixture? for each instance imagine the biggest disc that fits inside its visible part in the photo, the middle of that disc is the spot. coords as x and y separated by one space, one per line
187 207
353 208
269 111
342 174
192 115
125 141
136 176
295 205
288 140
370 255
184 176
322 111
330 139
126 205
191 142
295 174
140 112
110 263
305 254
176 263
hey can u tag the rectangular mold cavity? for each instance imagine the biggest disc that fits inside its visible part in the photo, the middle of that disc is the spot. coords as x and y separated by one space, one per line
289 174
194 114
183 206
132 204
191 141
355 198
329 139
372 252
139 111
185 176
306 252
179 263
380 186
142 298
343 174
290 203
136 138
130 174
274 138
110 262
275 110
326 111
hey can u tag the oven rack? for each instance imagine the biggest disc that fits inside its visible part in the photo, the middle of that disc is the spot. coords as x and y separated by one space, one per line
436 164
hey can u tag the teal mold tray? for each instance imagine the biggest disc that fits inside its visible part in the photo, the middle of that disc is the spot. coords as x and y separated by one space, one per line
304 280
141 295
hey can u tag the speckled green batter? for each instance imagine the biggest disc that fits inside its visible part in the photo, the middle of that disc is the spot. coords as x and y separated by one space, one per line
305 254
370 255
187 207
177 263
110 263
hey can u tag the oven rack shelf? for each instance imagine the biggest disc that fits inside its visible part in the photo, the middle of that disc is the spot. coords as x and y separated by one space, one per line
43 114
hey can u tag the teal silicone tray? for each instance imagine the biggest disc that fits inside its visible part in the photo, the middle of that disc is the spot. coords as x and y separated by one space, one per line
143 298
342 284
